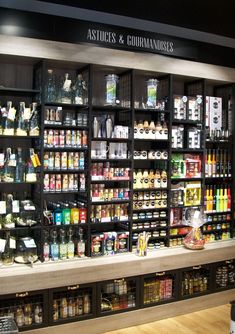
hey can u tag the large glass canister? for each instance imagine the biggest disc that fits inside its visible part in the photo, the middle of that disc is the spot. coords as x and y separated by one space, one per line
111 89
152 85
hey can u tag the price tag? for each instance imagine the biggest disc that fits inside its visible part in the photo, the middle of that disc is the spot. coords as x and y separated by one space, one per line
27 114
2 158
29 207
2 245
15 206
3 210
30 243
11 114
67 85
12 243
12 161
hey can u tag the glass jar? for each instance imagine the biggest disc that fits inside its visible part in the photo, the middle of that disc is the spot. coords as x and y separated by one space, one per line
152 85
111 89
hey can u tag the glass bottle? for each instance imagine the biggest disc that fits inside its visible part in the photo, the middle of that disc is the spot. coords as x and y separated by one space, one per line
55 310
111 89
50 94
34 121
66 89
9 221
19 316
87 304
20 167
54 247
21 125
9 121
79 89
63 308
75 214
46 247
28 315
70 245
31 175
62 246
8 256
57 215
9 166
66 213
81 244
38 319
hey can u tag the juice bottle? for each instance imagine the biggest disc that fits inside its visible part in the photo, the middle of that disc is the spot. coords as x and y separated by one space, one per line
66 213
74 214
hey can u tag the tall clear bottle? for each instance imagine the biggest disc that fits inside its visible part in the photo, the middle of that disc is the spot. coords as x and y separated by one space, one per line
8 254
81 244
21 122
34 121
54 247
50 94
70 245
20 167
62 246
9 166
9 122
31 175
66 92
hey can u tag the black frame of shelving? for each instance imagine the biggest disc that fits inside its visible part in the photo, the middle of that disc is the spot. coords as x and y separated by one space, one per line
96 299
196 86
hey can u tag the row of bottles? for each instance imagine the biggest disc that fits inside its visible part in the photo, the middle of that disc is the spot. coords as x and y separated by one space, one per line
151 130
217 198
151 155
158 289
218 163
64 160
19 122
25 314
110 212
100 193
104 127
65 213
15 168
62 246
55 116
148 179
61 89
109 243
64 182
104 171
72 306
194 282
186 138
65 138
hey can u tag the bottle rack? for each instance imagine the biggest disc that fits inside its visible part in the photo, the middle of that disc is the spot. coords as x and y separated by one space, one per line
113 141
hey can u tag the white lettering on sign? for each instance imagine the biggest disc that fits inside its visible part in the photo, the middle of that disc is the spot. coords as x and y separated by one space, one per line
110 37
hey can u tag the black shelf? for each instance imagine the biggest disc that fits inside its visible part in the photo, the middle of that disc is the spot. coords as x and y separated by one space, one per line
151 160
186 179
110 160
217 213
185 122
19 90
64 192
66 105
109 181
115 140
64 171
144 220
66 149
187 150
109 222
150 229
149 189
19 137
65 127
110 108
19 183
185 206
22 228
151 209
153 110
118 201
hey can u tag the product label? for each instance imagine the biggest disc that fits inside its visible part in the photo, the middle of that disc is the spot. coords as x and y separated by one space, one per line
2 207
2 245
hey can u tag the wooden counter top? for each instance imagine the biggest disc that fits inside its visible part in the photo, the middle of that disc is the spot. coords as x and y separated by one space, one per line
19 278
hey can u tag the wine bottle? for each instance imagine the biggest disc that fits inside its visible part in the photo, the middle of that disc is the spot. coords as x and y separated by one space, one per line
21 125
9 121
20 167
34 121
